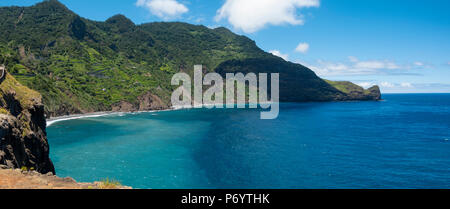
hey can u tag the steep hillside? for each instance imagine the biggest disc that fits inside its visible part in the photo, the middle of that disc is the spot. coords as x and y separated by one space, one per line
23 140
79 65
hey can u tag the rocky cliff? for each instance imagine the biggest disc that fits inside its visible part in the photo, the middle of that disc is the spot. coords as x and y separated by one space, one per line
144 102
23 140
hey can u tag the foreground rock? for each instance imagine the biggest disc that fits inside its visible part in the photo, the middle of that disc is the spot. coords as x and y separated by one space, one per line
24 145
18 179
23 138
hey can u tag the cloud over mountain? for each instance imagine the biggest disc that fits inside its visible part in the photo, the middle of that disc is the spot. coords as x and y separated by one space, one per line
253 15
354 66
164 9
279 54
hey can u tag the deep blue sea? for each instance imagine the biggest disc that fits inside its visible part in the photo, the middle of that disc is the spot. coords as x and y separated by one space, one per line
402 142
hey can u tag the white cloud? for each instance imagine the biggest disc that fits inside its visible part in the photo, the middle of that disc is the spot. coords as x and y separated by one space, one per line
387 85
419 64
354 66
253 15
279 54
376 65
373 64
366 84
164 9
335 69
406 85
369 65
302 48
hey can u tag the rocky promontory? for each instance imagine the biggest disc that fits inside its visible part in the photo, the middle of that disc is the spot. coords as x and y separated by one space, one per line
24 149
23 138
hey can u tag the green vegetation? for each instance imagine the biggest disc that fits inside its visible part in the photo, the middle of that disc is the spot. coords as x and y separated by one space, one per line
4 111
79 65
345 86
11 90
109 184
355 91
26 169
24 95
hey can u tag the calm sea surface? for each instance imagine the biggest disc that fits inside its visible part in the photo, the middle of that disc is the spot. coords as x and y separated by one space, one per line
402 142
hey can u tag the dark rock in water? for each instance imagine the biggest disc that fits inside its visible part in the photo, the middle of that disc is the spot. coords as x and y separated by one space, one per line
23 139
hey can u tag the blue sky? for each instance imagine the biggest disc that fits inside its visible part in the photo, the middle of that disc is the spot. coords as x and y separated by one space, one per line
401 45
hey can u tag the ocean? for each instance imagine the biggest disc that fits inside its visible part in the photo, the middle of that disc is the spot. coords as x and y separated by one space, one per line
401 142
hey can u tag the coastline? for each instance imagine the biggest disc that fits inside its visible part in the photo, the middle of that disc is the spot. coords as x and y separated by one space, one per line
54 120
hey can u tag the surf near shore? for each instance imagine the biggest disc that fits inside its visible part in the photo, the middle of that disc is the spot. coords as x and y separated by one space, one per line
54 120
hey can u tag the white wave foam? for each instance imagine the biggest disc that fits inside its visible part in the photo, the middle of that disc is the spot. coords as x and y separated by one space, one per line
53 121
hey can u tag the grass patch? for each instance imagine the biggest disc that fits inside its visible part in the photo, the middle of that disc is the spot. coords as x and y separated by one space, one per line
345 86
25 95
26 169
109 184
4 111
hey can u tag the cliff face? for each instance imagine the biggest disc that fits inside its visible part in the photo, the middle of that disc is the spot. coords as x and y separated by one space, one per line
23 140
144 102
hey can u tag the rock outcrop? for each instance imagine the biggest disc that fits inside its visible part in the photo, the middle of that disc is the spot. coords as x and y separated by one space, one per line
22 179
144 102
355 92
23 140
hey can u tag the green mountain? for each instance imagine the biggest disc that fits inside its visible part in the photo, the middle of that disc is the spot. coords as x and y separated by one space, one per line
80 65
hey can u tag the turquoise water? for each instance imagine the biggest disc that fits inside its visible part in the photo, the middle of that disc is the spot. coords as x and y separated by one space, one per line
402 142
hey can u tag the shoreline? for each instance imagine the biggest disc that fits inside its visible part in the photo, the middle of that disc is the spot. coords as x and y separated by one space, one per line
53 120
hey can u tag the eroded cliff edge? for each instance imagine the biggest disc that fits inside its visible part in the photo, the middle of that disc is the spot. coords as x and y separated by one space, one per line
23 138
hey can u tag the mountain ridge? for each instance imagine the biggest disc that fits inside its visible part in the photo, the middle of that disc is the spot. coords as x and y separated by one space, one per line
81 66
